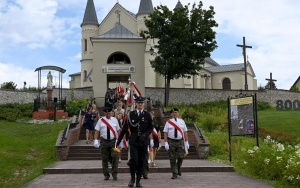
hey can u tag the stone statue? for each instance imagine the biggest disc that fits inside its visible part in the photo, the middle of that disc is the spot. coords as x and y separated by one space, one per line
49 78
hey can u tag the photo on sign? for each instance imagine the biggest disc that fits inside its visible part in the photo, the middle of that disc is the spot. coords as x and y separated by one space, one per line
250 126
234 112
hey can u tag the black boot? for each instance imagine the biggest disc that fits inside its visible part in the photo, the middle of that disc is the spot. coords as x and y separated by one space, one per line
132 180
138 179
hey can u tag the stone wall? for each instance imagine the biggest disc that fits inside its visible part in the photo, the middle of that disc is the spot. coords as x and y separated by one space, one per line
8 96
177 96
197 96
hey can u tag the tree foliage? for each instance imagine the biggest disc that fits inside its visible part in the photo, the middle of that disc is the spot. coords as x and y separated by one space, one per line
9 85
185 38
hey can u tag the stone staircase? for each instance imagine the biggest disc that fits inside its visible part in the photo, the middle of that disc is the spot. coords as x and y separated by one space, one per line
82 151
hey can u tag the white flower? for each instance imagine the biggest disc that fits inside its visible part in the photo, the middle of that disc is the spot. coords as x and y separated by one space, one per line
290 177
280 147
256 148
267 161
278 158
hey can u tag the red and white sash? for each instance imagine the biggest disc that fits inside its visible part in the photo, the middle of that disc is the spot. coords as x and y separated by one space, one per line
154 133
176 127
109 127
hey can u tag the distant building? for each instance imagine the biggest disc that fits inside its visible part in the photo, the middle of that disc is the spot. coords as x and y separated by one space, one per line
296 85
113 51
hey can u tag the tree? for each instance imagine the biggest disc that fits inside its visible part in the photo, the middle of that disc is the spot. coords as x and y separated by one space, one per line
9 85
185 38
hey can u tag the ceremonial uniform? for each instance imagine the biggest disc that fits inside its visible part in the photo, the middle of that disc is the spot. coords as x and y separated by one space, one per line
175 136
140 124
108 128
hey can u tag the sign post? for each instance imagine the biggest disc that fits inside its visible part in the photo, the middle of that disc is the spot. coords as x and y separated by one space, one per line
242 118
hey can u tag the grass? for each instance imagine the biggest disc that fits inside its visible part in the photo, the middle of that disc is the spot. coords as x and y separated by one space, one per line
285 121
25 149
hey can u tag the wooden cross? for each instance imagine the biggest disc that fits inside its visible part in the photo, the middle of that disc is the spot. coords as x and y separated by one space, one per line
271 81
245 63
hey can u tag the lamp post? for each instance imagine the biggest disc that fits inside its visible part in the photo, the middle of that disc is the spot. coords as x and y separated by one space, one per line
154 54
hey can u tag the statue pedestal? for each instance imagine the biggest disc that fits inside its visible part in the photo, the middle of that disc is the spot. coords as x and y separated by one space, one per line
49 98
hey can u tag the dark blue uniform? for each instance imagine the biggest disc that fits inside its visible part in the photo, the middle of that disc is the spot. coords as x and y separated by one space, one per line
140 128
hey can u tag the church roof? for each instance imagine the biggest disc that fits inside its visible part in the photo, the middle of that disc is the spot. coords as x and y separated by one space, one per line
211 61
178 5
90 16
225 68
298 80
119 31
146 7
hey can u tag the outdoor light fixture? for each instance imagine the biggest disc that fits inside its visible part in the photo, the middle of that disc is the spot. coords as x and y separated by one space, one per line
152 51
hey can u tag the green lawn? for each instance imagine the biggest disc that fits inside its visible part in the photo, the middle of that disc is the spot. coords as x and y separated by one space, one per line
25 149
285 121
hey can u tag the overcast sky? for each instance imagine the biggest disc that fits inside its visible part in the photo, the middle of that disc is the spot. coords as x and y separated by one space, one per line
36 33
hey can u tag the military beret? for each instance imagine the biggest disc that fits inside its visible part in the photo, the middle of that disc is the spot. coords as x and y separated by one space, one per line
107 109
174 110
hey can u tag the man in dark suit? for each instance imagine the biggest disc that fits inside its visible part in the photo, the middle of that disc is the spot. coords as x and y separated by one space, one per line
139 123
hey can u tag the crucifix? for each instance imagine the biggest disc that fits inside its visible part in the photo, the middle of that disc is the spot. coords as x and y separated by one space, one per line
271 81
244 46
118 15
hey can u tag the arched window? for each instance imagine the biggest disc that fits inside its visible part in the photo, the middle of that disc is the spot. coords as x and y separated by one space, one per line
226 84
118 58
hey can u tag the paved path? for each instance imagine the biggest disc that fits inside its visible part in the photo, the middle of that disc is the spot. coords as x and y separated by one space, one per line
156 179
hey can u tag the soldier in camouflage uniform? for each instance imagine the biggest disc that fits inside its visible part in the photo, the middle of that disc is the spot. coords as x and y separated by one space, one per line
176 141
109 129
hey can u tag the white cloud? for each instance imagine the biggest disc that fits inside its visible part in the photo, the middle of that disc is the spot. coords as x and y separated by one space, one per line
19 75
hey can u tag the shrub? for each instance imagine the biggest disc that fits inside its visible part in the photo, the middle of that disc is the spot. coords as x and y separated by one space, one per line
13 111
74 106
263 106
272 161
190 115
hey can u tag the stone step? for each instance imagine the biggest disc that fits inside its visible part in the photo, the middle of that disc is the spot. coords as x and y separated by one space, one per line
162 166
82 151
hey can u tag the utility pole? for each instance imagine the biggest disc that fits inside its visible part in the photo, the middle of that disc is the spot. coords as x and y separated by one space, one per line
245 63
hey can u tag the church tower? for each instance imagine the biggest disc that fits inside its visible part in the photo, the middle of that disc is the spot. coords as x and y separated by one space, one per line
89 27
178 5
145 9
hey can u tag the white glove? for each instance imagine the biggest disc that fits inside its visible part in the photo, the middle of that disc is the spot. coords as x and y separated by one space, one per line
186 143
121 145
167 146
96 143
151 143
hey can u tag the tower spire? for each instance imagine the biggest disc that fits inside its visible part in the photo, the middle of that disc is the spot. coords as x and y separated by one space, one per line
90 16
146 7
178 5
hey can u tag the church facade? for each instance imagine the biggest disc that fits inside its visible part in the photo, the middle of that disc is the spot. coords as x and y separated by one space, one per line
113 52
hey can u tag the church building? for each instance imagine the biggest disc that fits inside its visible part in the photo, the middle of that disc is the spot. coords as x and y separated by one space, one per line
112 52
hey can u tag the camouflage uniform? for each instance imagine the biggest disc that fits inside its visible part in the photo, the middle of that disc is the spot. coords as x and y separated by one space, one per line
107 151
176 155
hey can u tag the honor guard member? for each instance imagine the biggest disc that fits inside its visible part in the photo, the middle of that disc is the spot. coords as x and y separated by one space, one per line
176 141
108 128
140 124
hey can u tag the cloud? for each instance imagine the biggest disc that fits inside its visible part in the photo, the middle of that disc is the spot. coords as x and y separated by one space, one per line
33 23
19 75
